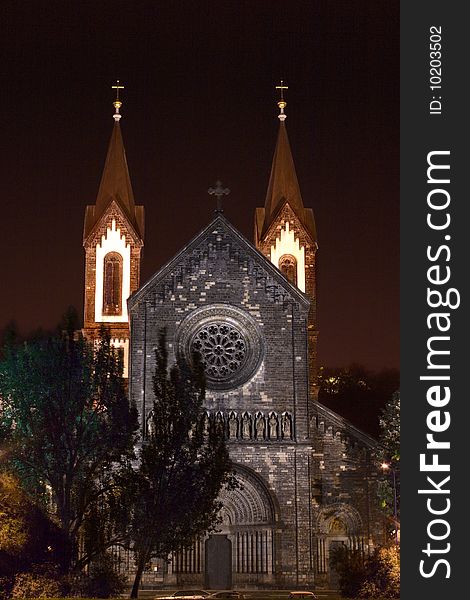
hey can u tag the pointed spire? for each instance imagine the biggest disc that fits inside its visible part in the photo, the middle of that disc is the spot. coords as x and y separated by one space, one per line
283 183
115 181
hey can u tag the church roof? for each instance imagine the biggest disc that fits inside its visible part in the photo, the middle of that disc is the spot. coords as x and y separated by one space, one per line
330 418
284 188
115 185
220 221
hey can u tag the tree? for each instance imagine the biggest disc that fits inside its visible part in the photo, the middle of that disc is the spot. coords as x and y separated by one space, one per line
28 538
350 564
390 431
388 457
13 513
375 576
382 577
67 422
184 464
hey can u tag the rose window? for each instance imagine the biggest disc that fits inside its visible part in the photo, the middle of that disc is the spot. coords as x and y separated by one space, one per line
222 348
227 339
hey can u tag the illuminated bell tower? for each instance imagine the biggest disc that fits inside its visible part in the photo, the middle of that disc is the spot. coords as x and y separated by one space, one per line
285 232
113 239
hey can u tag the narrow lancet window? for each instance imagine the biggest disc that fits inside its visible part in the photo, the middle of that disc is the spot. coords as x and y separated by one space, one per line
288 266
112 284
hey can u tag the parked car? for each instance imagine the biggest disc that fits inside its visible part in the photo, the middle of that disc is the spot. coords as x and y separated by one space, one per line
186 595
302 595
228 595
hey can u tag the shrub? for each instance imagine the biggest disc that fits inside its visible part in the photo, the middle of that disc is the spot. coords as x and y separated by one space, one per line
383 575
6 585
103 580
375 577
32 585
27 536
351 570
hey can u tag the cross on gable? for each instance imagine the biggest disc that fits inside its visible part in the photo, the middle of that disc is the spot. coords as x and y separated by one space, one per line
218 191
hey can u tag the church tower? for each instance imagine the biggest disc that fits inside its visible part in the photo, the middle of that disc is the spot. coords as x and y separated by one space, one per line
113 239
250 313
285 232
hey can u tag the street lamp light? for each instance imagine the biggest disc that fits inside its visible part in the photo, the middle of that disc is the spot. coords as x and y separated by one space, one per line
386 467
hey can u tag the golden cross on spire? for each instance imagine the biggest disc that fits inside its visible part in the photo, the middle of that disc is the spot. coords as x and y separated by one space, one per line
282 87
117 103
282 103
118 87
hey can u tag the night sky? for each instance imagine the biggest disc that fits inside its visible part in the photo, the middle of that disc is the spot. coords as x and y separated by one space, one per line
200 104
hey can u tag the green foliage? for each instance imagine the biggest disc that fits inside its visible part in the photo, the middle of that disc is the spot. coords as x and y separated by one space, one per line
376 577
9 336
13 515
28 538
37 584
390 431
351 568
67 422
184 464
6 585
383 575
388 453
103 580
358 394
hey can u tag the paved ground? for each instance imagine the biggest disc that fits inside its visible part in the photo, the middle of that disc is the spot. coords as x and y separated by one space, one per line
249 594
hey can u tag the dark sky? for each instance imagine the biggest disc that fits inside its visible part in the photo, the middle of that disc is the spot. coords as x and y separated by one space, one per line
200 104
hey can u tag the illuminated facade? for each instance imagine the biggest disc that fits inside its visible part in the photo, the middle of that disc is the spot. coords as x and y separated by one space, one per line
307 479
285 233
113 239
308 482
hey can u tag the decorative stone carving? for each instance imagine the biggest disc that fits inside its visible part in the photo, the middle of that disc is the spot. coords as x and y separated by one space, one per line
219 418
205 425
228 340
286 426
246 426
232 426
273 423
222 348
260 426
150 424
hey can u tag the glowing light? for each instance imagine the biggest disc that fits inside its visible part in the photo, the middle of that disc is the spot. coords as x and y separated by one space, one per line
113 241
287 243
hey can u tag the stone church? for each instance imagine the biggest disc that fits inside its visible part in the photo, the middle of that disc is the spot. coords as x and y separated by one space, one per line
307 479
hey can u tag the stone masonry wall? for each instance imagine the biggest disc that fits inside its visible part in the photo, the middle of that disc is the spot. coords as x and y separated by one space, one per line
286 214
219 271
319 474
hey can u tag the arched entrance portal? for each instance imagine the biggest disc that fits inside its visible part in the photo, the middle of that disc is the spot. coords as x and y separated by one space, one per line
337 525
248 520
241 552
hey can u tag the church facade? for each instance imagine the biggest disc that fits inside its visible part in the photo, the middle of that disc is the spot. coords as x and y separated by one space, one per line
307 479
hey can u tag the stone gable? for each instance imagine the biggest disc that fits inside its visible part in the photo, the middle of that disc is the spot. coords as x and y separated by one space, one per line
294 458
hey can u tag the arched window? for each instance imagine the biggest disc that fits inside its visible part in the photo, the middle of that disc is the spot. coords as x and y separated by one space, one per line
288 266
112 284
